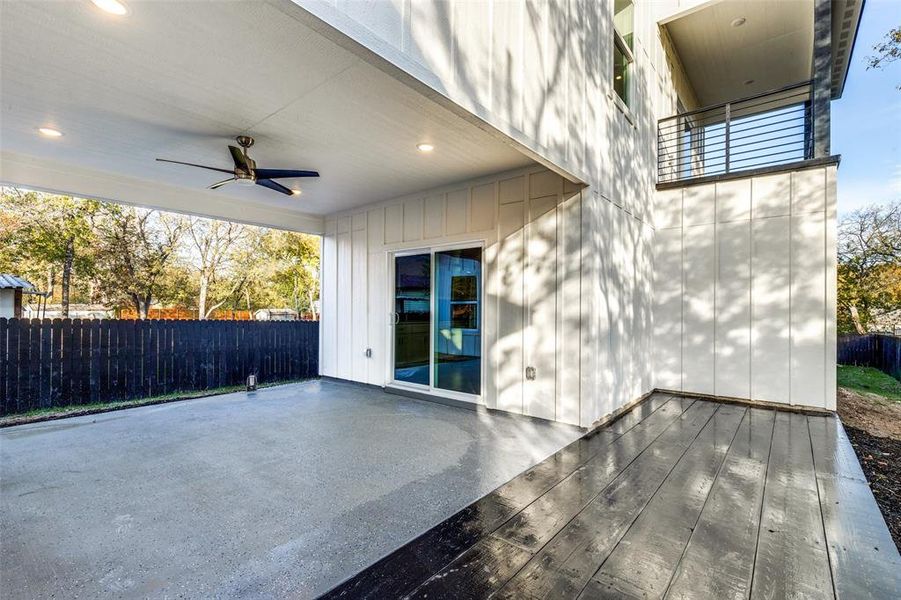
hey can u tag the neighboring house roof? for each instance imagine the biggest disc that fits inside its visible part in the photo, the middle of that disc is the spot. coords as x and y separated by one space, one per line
277 311
275 314
887 321
11 281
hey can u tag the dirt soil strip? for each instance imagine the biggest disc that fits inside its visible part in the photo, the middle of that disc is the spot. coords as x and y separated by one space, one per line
873 424
871 413
880 458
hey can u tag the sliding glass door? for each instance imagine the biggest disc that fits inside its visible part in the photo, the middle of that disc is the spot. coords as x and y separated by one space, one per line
457 355
438 320
412 317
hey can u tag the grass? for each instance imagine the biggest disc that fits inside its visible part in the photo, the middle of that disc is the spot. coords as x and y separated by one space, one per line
867 380
55 412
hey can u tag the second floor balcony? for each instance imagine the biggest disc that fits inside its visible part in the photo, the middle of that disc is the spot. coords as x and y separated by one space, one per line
758 132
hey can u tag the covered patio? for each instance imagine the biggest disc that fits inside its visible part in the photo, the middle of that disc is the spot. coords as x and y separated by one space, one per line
283 492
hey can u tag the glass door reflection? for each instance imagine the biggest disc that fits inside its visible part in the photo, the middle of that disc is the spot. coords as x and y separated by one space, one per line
412 317
457 354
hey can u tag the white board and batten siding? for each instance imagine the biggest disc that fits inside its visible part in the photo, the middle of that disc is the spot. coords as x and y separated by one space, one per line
743 288
715 288
529 224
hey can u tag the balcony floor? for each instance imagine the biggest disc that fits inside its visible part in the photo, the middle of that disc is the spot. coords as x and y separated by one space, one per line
678 498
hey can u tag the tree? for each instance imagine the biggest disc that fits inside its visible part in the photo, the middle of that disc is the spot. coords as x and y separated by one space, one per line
869 256
296 260
135 251
213 247
887 51
51 233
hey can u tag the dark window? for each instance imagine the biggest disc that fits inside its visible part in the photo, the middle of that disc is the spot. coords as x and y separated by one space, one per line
622 48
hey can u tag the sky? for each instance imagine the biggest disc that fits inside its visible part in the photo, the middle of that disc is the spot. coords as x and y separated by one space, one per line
866 121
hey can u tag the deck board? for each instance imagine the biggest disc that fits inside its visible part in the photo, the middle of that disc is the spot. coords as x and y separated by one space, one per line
477 573
678 498
719 558
792 561
537 523
643 562
864 559
563 567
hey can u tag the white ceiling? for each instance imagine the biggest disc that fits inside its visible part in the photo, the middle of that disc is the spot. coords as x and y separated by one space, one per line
180 79
774 47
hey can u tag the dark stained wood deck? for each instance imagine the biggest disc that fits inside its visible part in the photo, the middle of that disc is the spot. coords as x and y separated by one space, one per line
679 498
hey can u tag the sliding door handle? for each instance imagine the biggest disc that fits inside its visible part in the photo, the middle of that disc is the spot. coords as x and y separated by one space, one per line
396 318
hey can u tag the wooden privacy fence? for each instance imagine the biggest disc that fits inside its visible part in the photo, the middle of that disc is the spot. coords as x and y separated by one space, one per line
60 362
879 351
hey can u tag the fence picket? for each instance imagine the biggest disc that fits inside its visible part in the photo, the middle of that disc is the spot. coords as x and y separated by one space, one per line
879 351
75 362
25 396
4 378
46 350
59 362
12 366
95 362
34 363
84 361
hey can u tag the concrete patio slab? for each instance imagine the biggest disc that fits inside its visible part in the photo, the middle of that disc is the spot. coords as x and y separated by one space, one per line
283 492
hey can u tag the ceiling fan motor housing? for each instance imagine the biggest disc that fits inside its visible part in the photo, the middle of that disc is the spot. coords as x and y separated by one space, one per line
246 177
246 172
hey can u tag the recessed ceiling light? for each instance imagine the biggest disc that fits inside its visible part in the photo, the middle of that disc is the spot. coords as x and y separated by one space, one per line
113 7
739 21
50 132
425 147
297 192
749 81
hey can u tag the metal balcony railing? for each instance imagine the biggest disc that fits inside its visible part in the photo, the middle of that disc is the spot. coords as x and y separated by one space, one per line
765 130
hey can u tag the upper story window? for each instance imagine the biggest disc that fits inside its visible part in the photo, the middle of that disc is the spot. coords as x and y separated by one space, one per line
623 27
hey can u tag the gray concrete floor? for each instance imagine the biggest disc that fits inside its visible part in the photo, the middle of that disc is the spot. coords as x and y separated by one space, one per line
284 492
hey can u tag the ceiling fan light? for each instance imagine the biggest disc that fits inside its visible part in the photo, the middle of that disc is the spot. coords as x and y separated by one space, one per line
50 132
113 7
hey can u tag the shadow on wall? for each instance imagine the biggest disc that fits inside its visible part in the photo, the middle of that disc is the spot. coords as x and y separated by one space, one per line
576 118
748 316
481 63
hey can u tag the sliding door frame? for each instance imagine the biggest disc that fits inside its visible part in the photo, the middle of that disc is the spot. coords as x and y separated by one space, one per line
391 337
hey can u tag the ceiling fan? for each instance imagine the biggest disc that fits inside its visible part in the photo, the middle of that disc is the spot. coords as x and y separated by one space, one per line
246 171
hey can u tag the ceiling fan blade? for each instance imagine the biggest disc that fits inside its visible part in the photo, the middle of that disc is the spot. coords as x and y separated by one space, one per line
274 185
178 162
284 173
219 184
239 158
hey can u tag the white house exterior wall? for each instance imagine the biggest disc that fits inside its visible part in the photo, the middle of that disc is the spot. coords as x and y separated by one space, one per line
539 73
744 302
529 224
